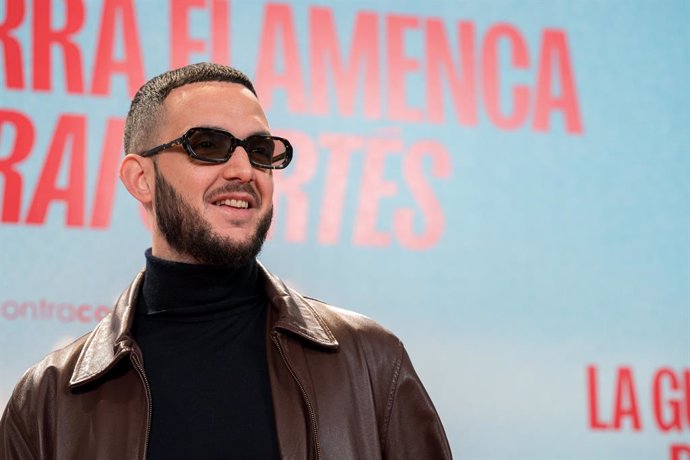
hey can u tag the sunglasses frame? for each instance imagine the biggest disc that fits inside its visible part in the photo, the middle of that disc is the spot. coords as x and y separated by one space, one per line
184 142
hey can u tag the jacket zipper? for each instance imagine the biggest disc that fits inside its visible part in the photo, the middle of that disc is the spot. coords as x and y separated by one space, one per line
312 415
140 370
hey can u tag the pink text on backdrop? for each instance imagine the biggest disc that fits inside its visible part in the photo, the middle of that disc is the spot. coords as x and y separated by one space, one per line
669 401
471 64
418 225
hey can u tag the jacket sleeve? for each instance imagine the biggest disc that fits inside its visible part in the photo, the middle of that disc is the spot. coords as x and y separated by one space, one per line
412 429
14 441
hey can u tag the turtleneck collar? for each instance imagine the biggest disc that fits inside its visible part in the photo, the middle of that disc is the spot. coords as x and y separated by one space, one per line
182 289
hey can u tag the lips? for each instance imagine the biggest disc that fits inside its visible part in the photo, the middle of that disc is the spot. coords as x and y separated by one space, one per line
238 196
233 203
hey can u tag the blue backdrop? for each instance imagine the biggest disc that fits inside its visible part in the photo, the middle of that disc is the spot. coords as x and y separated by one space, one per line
504 184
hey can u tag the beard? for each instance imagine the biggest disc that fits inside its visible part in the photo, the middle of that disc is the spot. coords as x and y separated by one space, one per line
186 231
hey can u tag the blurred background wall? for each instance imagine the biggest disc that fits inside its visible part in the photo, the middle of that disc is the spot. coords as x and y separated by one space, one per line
502 183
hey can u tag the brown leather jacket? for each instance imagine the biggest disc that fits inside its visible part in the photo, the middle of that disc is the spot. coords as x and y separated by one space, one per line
343 388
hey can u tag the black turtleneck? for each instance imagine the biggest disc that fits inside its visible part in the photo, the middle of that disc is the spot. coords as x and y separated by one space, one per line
202 333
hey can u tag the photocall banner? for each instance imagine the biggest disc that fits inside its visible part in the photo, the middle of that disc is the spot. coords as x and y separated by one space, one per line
503 184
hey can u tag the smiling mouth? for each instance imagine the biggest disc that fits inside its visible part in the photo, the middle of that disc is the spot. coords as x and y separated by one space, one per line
239 204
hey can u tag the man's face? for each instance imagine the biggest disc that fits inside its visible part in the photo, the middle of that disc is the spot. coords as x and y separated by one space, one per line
210 213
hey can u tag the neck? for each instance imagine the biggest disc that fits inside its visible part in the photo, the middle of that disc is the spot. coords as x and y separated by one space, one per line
173 287
160 249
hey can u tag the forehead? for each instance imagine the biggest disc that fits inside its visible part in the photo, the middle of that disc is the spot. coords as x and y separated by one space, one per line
224 105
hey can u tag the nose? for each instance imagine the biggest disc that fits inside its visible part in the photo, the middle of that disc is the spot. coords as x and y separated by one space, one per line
238 166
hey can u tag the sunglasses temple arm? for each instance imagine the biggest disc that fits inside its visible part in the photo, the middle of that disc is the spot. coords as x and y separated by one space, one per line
160 148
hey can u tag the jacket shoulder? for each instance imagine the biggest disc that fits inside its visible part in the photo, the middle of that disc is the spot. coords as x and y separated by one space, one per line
352 328
49 375
36 394
323 324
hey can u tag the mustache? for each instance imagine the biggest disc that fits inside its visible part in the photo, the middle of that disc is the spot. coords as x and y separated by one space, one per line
243 187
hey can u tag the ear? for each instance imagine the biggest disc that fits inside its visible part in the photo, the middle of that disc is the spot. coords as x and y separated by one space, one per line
136 174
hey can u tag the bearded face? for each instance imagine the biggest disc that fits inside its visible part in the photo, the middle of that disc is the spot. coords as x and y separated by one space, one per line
188 232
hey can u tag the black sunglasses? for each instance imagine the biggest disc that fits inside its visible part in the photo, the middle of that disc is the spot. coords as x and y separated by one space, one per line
216 146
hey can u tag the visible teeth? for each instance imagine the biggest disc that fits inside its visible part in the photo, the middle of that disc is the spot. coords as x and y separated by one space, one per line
233 203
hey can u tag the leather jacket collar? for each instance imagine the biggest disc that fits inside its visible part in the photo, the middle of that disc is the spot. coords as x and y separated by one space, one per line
112 340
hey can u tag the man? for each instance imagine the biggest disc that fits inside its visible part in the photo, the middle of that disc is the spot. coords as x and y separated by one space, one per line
206 354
